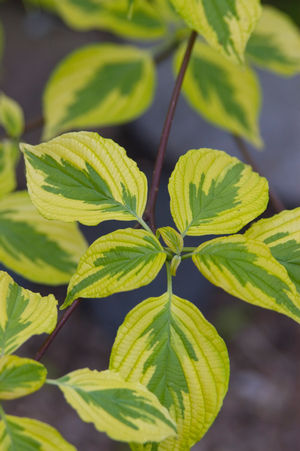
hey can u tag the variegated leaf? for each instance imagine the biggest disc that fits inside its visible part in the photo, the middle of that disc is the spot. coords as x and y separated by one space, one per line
120 261
83 177
40 250
8 158
23 314
11 116
143 23
166 344
282 235
246 269
125 411
20 434
225 24
275 44
172 238
224 93
214 193
20 377
96 86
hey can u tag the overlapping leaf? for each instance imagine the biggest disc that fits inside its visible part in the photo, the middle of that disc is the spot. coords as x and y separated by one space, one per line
23 314
172 238
275 44
31 435
246 269
225 24
11 116
20 377
282 235
166 344
143 23
40 250
125 411
98 85
83 177
214 193
224 93
8 157
120 261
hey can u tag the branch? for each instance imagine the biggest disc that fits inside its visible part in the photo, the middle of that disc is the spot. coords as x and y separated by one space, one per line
150 208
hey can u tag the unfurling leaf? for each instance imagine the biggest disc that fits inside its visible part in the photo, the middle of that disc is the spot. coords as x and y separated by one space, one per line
172 238
11 116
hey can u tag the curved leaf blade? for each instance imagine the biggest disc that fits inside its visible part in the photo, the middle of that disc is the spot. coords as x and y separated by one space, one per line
246 269
166 344
281 234
84 177
8 158
98 85
11 116
214 193
125 411
20 377
224 93
120 261
171 238
23 314
40 250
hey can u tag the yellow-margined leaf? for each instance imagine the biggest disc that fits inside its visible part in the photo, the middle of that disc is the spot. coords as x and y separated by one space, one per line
246 269
172 238
166 344
20 434
83 177
96 86
125 411
225 24
8 158
23 314
143 23
40 250
224 93
275 43
11 116
20 377
214 193
120 261
282 235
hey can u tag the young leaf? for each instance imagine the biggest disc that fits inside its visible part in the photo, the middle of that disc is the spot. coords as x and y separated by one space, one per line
246 269
166 344
8 157
275 44
125 411
83 177
214 193
225 24
11 116
20 434
172 238
282 235
224 93
144 23
40 250
120 261
20 377
23 314
98 85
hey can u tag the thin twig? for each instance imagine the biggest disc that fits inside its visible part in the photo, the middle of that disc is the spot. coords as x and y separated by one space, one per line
275 201
34 124
150 208
59 326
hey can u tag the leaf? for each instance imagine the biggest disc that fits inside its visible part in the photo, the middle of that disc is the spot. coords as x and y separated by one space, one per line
8 158
275 44
282 235
98 85
11 116
125 411
172 238
23 314
20 377
214 193
83 177
145 22
246 269
120 261
40 250
166 344
225 24
20 434
225 94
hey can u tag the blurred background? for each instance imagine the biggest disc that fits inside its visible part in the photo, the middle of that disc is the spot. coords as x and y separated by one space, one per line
262 408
